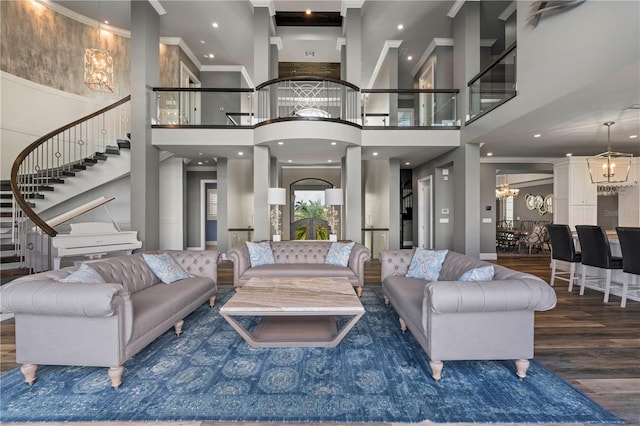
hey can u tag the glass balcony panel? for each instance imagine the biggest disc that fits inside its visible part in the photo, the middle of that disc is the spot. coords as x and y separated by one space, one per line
206 107
375 239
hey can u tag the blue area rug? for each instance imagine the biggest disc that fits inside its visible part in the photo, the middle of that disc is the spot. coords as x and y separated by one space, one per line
377 374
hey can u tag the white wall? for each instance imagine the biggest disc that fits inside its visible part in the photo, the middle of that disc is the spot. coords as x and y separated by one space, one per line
172 204
18 129
376 193
629 199
240 191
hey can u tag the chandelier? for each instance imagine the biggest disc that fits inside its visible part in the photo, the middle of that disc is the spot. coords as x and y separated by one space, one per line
98 66
505 192
609 167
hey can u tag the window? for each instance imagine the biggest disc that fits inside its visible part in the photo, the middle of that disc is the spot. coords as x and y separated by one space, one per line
508 209
212 204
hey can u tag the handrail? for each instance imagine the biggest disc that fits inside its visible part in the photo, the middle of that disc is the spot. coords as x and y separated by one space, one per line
307 78
410 91
493 63
202 89
15 187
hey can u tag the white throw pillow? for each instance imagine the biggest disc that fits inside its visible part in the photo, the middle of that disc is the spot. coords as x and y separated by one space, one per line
165 267
482 273
426 264
260 253
84 274
339 254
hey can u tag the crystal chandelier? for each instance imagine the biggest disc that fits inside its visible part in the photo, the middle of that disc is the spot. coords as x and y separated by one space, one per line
609 167
505 192
98 66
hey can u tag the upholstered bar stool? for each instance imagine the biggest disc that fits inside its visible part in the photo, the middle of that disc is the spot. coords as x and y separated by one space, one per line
630 245
563 249
596 252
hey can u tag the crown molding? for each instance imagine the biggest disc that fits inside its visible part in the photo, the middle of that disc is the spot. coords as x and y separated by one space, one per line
508 11
525 160
350 4
437 41
455 8
178 41
230 68
158 7
83 19
277 41
388 44
265 3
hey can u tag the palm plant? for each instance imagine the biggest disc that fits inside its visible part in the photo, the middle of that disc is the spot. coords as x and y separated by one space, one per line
310 210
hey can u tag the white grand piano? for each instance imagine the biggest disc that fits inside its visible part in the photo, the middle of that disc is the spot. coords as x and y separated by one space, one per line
90 239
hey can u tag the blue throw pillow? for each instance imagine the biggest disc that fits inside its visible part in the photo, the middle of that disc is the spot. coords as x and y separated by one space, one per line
165 267
339 254
426 264
260 253
84 274
483 273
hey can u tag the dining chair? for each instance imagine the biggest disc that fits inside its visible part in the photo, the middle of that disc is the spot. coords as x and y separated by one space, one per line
596 252
563 249
535 239
629 238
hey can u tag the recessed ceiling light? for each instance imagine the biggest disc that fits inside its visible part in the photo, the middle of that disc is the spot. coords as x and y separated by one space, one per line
329 161
199 163
407 163
307 12
240 153
489 154
633 136
409 58
334 143
400 26
202 42
280 143
106 22
568 154
537 135
289 161
375 154
215 25
211 55
200 153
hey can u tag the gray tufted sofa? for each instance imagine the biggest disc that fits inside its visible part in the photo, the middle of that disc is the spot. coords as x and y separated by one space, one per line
103 325
455 320
300 258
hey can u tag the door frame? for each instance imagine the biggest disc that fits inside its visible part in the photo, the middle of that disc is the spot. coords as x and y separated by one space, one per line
427 81
425 212
203 211
188 80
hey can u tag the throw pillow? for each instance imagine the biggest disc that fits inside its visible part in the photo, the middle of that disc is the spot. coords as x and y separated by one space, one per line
339 254
426 264
165 267
84 274
483 273
260 253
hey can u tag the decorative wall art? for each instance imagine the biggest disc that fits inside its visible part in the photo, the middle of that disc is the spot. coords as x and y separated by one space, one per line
544 205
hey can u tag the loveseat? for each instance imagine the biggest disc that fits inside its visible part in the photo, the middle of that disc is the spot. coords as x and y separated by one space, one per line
466 320
102 324
300 258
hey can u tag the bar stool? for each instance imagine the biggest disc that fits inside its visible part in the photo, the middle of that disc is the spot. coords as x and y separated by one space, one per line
596 252
563 249
630 245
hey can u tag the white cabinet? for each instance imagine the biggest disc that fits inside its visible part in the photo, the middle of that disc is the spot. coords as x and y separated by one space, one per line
575 197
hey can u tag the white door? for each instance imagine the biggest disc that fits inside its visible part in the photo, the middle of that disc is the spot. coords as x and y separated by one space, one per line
425 213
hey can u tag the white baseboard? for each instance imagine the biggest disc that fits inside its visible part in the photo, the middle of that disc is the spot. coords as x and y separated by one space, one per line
488 256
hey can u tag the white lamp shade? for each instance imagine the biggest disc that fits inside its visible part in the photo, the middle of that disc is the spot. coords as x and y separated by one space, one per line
333 196
276 196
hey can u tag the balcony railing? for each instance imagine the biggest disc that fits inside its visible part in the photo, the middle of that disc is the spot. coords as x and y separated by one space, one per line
417 108
494 85
305 98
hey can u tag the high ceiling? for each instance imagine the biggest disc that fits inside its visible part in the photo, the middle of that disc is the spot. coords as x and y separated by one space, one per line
572 124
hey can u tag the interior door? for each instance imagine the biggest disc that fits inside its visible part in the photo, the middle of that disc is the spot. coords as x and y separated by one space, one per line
425 213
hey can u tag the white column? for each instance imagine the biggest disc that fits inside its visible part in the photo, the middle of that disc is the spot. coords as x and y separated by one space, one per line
261 163
352 229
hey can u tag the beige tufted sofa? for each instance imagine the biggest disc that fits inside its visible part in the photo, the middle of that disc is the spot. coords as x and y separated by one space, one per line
300 258
103 325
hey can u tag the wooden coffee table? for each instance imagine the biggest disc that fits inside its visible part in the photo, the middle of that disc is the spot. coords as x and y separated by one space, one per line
295 311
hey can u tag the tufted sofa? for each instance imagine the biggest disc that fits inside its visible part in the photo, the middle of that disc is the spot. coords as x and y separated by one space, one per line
299 258
103 325
470 320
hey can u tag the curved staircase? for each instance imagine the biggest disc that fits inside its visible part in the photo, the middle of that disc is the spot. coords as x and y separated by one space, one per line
53 169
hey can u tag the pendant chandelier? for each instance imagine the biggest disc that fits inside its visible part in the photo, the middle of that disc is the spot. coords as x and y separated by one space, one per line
98 66
505 192
609 167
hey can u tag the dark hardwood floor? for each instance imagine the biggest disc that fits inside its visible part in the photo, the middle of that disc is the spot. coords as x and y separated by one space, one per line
593 345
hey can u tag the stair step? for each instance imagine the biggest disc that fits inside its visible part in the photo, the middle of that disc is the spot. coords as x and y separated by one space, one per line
6 214
5 187
11 274
123 143
89 161
30 188
67 173
10 205
78 167
101 156
5 247
11 259
32 195
47 180
112 151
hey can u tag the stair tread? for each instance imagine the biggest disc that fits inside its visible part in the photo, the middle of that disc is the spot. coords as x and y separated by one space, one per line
11 259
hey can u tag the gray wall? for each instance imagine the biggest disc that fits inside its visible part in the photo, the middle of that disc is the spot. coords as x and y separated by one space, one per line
212 102
608 211
194 208
488 199
520 209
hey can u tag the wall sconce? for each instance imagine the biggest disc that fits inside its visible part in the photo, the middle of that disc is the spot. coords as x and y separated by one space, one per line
333 197
276 197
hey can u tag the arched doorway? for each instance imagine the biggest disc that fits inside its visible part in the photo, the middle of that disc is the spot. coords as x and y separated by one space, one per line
308 210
